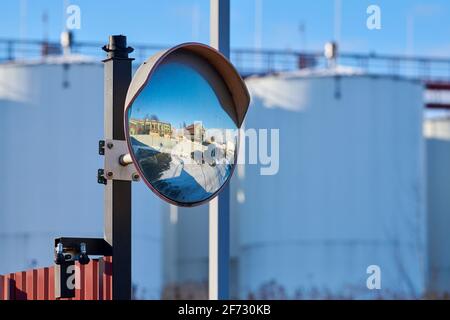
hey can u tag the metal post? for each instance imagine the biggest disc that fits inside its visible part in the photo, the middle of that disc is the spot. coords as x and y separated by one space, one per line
220 26
219 209
118 193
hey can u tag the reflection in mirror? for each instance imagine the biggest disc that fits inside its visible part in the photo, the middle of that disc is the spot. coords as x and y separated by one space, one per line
182 130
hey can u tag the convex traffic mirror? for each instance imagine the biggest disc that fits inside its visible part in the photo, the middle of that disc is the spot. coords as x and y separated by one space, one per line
183 110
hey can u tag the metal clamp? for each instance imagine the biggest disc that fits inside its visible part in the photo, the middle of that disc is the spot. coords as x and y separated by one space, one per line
114 170
101 147
72 248
100 176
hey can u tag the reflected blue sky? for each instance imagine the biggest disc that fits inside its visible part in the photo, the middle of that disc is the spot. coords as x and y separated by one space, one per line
179 95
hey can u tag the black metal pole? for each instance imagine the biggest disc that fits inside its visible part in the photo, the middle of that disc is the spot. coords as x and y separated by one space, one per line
117 193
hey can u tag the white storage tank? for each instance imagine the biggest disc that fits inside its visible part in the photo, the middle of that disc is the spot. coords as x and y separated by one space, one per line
185 260
186 252
51 118
437 133
349 192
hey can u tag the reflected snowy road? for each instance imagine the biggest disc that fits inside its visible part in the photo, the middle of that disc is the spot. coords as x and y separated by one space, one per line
180 177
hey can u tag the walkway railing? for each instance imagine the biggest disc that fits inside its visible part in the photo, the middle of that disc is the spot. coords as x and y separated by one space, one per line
251 61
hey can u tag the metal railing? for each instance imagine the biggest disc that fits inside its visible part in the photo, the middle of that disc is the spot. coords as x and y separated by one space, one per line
251 61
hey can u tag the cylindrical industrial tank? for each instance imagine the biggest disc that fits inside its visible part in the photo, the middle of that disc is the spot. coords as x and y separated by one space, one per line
186 252
437 133
349 192
185 260
51 119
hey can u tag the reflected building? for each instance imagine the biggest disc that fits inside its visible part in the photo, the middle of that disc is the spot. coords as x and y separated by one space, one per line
150 127
196 131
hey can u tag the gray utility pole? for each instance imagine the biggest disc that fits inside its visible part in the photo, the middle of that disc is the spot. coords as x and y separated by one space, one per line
117 192
219 209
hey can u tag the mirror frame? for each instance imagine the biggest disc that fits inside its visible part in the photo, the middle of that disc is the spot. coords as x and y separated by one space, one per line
236 86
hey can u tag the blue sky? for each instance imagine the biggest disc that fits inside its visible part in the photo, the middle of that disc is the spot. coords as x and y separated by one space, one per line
174 21
195 99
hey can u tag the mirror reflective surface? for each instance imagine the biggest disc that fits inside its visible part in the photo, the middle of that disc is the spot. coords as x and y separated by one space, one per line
181 130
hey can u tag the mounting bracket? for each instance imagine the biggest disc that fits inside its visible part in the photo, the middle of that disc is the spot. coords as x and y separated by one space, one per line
113 170
71 250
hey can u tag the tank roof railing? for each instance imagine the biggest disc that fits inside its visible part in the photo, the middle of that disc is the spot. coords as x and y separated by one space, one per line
252 61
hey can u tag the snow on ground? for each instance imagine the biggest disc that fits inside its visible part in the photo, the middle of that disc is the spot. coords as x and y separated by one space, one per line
185 180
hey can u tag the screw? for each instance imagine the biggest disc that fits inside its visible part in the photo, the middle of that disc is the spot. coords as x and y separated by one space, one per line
59 248
135 177
110 145
109 174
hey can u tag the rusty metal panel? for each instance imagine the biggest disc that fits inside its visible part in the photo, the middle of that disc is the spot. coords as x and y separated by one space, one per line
10 284
51 283
31 284
91 281
42 283
2 287
21 285
107 278
79 281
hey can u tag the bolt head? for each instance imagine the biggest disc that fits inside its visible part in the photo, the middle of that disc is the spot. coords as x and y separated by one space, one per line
110 174
110 145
